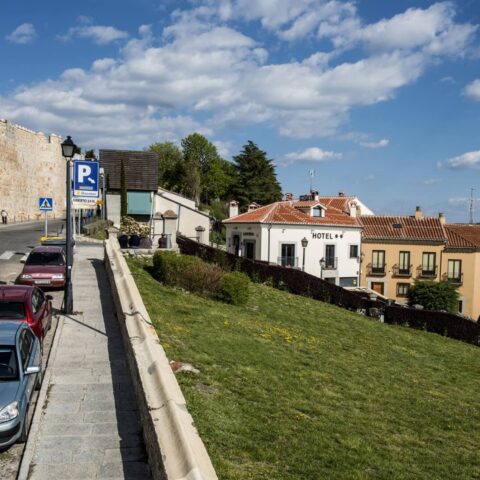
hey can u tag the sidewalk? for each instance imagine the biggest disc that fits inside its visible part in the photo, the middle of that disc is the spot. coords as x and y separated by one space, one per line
89 426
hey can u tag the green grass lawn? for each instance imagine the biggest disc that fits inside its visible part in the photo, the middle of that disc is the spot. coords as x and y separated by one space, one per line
292 388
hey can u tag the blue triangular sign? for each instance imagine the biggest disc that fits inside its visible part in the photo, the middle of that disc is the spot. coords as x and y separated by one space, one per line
45 204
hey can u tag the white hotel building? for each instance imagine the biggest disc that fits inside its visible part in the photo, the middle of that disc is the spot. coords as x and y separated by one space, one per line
321 235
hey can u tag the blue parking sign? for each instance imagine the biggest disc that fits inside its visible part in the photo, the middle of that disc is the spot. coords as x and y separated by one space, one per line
85 178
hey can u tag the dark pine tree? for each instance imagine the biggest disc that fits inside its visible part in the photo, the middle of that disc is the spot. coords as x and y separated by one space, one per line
256 180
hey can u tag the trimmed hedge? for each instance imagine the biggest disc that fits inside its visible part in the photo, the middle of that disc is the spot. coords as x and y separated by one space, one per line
235 288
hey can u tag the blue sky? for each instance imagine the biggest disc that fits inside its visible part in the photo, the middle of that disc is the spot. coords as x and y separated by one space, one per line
381 99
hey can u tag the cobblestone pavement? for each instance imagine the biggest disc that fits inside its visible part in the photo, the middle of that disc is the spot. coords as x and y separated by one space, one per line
89 426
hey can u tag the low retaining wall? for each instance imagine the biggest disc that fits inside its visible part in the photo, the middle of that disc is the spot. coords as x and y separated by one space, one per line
175 450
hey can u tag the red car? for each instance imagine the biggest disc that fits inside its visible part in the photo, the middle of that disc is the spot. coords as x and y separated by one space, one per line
26 304
45 267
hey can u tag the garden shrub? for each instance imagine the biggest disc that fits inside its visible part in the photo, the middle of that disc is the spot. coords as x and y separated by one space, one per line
235 288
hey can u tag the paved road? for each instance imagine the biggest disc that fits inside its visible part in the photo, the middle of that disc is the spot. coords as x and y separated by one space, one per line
15 242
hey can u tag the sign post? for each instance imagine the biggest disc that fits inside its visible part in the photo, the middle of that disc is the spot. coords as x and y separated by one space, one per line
45 204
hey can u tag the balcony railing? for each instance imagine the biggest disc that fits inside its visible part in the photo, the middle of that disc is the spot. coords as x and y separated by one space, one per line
330 264
426 273
376 270
455 280
401 271
288 261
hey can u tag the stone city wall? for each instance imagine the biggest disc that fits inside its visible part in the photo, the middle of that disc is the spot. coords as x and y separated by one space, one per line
31 166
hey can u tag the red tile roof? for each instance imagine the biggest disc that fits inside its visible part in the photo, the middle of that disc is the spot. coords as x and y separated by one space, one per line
379 227
287 213
463 236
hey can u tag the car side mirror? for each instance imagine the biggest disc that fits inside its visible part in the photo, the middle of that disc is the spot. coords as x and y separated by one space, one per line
32 370
48 297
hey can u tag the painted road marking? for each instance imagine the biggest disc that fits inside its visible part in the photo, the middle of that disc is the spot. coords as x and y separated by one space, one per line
7 255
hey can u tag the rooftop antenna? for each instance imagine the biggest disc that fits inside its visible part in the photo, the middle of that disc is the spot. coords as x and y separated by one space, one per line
311 173
472 205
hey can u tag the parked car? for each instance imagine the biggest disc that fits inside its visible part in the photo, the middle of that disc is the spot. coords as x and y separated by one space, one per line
26 304
20 375
45 266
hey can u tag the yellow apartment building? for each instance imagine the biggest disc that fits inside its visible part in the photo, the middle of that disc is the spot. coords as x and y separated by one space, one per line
396 250
461 265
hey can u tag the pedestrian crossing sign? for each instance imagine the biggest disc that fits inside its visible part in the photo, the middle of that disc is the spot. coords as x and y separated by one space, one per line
45 204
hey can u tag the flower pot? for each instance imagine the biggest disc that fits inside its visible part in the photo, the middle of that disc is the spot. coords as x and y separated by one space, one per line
123 241
134 241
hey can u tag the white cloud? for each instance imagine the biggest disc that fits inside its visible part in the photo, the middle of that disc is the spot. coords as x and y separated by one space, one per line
312 154
223 148
472 90
380 144
466 160
204 73
100 34
23 34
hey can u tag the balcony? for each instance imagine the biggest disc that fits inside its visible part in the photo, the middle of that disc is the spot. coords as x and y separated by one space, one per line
402 272
427 273
377 270
454 280
330 263
291 262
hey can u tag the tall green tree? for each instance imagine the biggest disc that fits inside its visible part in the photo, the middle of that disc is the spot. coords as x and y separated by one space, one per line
123 192
434 295
255 179
215 176
90 154
171 167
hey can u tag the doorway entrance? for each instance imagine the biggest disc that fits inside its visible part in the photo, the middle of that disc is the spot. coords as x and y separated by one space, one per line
249 249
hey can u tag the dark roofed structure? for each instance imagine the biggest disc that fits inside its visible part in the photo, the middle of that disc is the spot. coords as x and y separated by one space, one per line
141 169
462 236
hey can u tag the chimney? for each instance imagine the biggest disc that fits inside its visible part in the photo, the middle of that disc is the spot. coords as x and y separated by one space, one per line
253 206
314 195
341 194
442 218
359 210
418 213
233 210
353 209
288 196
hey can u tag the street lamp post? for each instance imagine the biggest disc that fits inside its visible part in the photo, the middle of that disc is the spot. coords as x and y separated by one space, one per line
104 196
322 266
304 245
68 149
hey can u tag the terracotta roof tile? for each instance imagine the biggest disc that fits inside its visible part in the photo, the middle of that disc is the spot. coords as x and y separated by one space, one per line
463 236
286 213
379 227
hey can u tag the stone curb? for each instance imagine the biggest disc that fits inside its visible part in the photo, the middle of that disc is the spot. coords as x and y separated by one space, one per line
42 396
175 450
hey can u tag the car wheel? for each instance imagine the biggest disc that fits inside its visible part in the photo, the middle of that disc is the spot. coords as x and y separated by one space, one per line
24 435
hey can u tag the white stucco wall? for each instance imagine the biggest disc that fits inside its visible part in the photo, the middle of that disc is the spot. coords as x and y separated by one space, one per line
113 208
318 237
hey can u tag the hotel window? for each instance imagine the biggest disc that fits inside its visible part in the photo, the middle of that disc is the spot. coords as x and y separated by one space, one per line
428 264
402 289
404 263
353 251
378 261
317 211
330 260
454 271
288 258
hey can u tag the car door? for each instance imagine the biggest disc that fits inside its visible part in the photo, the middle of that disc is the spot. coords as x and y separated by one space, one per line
44 312
27 355
36 325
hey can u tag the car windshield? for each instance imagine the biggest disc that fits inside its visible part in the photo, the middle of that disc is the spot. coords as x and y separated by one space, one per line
12 310
8 364
45 258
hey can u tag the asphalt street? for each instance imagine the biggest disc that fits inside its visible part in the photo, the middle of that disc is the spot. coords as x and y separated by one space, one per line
16 241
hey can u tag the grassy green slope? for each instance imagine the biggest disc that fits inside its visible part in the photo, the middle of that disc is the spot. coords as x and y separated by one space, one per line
292 388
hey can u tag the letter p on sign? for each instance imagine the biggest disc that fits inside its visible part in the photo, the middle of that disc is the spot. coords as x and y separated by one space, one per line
83 171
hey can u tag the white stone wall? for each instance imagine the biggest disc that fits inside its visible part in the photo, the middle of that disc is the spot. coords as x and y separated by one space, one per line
31 166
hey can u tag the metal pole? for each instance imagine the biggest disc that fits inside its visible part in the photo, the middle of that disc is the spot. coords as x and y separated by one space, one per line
68 297
104 198
303 263
46 223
